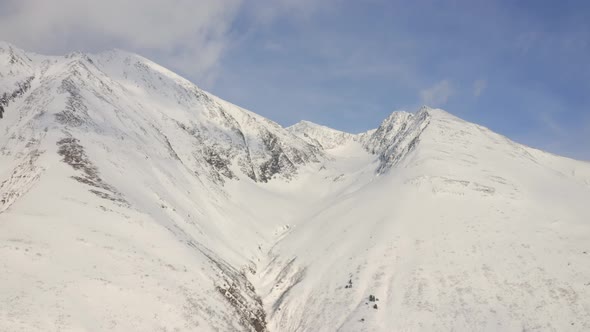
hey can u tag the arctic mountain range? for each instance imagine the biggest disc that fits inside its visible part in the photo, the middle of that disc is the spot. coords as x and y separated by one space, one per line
132 200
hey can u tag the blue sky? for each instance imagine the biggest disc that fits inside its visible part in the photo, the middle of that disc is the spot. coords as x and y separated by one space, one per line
521 68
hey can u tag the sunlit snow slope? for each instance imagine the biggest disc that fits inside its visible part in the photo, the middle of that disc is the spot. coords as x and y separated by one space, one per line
131 200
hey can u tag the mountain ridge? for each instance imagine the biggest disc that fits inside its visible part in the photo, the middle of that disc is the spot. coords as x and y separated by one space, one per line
130 199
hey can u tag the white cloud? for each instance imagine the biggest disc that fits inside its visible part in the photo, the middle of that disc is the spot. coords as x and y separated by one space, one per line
186 35
438 94
479 86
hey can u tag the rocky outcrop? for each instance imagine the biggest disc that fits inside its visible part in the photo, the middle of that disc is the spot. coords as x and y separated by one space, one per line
21 88
396 137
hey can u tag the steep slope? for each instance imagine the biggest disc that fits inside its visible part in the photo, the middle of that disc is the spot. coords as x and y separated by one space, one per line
396 137
112 170
463 231
15 74
130 199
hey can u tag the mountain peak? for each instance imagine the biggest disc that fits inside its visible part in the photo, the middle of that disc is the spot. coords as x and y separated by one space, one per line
435 112
319 135
306 123
215 218
121 95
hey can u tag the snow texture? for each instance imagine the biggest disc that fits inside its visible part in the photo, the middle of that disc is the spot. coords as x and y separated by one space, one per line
132 200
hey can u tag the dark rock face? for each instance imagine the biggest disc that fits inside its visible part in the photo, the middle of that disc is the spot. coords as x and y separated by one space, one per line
75 113
237 291
73 154
260 149
396 137
23 176
278 161
220 161
21 89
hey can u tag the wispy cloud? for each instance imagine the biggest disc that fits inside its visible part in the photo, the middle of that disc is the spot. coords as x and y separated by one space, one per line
438 94
187 35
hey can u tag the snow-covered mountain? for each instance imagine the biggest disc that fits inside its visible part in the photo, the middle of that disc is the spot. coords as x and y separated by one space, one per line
322 136
130 199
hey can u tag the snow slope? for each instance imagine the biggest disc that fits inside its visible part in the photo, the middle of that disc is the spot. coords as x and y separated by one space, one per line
322 136
130 199
467 231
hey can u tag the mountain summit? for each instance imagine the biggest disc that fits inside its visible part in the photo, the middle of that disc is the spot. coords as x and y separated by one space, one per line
130 199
